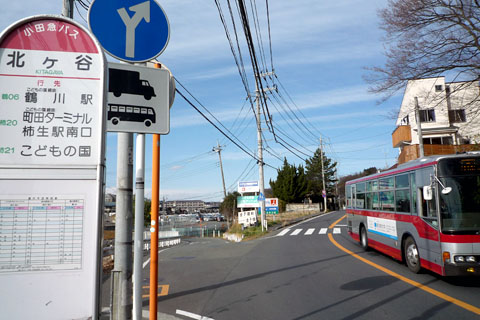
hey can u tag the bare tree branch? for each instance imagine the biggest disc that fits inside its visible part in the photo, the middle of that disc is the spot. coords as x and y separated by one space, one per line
427 38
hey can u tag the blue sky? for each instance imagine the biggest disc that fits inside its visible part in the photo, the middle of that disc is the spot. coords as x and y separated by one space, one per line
320 51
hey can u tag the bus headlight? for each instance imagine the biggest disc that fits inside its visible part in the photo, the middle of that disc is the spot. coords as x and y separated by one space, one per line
459 259
470 259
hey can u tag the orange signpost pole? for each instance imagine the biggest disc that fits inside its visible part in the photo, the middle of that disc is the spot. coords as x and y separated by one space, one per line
154 224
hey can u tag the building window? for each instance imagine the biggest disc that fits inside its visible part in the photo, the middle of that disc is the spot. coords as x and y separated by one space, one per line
427 115
438 140
438 88
405 121
457 115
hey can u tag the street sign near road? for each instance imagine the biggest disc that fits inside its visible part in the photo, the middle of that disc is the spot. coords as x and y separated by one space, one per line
271 210
138 99
248 186
271 205
130 30
247 202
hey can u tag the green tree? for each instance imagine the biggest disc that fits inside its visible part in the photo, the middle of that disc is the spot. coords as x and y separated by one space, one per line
229 205
147 211
314 175
342 181
291 185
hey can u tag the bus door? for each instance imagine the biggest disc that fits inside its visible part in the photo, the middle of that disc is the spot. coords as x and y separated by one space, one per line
429 240
353 200
353 218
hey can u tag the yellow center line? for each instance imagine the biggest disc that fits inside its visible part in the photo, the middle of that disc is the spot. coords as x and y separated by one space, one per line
163 292
335 223
423 287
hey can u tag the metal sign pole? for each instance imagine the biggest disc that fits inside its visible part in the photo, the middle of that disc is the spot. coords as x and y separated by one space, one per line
139 223
122 304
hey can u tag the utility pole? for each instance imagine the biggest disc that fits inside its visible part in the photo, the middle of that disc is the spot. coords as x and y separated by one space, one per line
260 157
419 128
67 10
219 150
123 267
336 189
260 148
324 191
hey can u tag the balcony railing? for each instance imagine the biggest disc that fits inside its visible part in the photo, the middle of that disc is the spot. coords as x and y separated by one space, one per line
412 152
400 135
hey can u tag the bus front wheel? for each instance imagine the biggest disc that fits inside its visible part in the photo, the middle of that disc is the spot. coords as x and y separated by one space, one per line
412 257
363 238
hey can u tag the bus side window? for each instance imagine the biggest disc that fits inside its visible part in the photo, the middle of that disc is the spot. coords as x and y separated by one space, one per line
428 209
414 194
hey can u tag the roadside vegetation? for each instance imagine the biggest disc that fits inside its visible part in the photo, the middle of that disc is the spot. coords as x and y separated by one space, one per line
282 219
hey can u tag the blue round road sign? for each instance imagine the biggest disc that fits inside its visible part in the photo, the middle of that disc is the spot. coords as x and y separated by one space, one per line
130 30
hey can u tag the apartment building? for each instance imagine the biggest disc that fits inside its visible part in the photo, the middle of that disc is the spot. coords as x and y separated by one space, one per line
189 206
449 118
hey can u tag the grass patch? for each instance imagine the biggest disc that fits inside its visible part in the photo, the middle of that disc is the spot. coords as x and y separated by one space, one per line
253 232
283 219
248 233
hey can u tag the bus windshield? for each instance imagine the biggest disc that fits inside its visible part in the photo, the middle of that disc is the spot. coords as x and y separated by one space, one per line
460 208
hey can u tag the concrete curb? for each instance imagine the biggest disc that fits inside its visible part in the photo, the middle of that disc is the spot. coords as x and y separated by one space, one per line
160 316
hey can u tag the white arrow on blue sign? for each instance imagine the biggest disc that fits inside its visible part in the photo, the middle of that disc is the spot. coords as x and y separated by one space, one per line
130 30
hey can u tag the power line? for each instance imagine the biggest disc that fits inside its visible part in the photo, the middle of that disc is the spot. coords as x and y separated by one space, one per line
220 130
299 110
208 111
269 35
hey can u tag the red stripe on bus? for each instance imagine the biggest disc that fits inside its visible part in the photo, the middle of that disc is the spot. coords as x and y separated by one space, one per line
397 254
393 252
460 238
432 266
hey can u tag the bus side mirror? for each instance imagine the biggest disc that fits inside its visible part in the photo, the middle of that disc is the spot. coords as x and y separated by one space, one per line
427 193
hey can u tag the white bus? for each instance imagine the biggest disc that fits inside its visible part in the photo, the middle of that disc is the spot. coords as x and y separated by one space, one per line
425 212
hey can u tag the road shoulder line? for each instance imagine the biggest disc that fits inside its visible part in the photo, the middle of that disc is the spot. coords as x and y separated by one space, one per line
414 283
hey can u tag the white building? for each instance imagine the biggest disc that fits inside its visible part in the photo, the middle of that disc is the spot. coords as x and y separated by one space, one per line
449 116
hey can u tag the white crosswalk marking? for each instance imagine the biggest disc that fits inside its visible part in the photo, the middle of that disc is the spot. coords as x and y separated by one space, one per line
284 232
309 231
296 232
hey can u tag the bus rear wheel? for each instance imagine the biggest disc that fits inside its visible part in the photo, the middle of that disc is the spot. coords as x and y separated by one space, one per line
363 238
412 257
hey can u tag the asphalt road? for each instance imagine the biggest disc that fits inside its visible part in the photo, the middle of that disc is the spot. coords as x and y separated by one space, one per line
303 275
